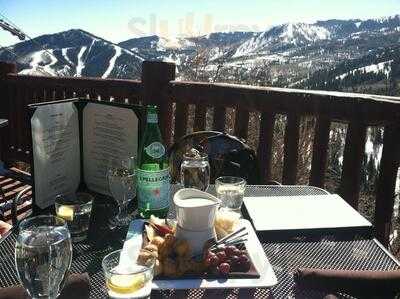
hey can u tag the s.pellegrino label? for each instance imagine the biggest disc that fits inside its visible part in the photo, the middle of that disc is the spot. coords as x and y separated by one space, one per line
153 173
153 189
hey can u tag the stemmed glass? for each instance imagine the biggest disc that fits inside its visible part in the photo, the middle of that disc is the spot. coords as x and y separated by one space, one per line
121 178
43 255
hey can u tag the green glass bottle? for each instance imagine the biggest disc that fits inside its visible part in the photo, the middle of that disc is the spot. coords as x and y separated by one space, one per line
153 175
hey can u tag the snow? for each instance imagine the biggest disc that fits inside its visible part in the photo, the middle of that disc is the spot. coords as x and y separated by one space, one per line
291 33
375 68
52 62
64 54
358 24
309 32
372 152
41 63
172 43
81 64
118 52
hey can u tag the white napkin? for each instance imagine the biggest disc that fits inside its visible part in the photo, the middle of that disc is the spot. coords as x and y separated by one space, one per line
132 245
302 212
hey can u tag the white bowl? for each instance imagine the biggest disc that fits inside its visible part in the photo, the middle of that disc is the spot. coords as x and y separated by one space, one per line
193 213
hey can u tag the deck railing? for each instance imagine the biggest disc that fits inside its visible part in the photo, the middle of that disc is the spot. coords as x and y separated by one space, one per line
174 98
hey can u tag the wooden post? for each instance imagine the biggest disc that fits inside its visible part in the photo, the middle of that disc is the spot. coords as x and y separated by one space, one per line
354 150
291 148
264 151
320 152
5 68
156 76
385 192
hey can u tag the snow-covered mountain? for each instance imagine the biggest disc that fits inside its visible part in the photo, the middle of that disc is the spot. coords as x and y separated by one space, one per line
73 53
282 55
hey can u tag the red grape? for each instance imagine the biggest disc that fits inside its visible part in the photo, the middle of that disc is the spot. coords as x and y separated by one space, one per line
243 258
237 252
221 256
210 254
229 250
214 260
235 259
244 266
224 268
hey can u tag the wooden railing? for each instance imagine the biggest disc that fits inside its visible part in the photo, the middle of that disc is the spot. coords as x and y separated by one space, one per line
174 99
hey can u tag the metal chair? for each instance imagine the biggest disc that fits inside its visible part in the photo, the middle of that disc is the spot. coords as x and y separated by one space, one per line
227 154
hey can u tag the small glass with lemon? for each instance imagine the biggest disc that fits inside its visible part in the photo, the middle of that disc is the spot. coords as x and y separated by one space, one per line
75 209
124 280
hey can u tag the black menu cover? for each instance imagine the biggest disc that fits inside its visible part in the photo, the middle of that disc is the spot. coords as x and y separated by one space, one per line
73 141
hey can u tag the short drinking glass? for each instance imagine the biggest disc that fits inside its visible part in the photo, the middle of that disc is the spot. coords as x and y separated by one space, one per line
43 255
75 209
195 170
230 190
121 178
127 281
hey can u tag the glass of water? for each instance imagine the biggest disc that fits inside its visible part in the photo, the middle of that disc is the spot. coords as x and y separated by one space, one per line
75 209
230 190
131 280
195 170
43 255
121 178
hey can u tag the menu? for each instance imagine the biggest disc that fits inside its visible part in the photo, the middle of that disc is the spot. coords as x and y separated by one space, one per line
73 143
107 135
56 154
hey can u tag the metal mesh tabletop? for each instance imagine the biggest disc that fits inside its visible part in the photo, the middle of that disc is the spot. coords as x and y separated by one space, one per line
285 258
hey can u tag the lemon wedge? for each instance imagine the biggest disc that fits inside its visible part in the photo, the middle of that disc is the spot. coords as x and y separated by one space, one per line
125 284
66 212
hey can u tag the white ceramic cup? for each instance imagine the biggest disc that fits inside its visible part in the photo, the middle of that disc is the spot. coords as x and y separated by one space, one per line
201 215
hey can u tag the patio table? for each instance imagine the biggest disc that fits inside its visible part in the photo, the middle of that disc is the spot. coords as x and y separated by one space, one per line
331 252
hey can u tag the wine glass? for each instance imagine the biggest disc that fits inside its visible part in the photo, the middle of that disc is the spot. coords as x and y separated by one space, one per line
121 178
195 170
43 255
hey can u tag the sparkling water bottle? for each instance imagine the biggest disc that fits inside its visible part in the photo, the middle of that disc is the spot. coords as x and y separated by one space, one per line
153 172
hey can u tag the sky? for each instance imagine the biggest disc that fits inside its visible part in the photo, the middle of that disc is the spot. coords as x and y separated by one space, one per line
120 20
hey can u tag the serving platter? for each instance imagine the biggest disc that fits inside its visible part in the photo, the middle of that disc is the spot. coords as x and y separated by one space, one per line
267 276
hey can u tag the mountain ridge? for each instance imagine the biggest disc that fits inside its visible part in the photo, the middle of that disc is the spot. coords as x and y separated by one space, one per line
280 55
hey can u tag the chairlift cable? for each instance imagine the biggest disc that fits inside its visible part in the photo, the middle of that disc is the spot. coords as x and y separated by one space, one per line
30 38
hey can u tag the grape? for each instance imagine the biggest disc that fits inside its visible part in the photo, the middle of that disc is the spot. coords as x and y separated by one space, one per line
221 256
214 260
229 250
237 252
234 260
210 254
207 253
243 259
244 252
224 268
244 266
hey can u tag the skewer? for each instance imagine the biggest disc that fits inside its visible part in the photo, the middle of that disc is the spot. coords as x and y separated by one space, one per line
230 242
220 241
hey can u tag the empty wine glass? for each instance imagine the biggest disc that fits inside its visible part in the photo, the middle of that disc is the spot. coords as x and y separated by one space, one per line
43 255
195 170
121 178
